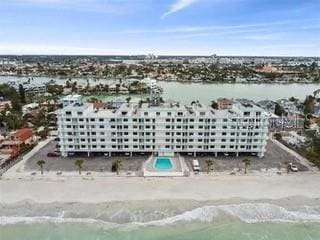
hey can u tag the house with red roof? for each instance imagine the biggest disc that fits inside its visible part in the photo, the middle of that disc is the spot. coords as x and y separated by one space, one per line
16 141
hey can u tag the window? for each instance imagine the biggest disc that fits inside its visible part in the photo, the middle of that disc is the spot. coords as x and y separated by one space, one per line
145 113
158 113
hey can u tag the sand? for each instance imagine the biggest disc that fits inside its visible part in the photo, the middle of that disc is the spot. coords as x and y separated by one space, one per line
204 188
131 199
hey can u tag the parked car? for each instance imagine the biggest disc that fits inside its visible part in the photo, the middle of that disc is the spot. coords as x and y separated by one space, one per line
293 167
53 154
195 165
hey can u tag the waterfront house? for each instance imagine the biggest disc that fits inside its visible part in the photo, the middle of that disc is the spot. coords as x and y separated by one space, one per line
16 141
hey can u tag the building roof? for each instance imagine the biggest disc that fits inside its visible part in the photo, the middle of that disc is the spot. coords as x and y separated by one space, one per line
23 134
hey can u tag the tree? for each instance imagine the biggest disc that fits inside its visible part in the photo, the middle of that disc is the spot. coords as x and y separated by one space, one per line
287 166
128 99
13 121
116 166
278 136
79 164
278 110
210 164
22 94
44 133
214 104
40 164
309 104
16 105
247 163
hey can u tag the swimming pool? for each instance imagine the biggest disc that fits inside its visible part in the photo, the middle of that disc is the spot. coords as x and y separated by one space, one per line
163 164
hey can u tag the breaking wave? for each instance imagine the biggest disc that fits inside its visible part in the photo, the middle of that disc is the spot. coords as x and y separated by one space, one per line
247 212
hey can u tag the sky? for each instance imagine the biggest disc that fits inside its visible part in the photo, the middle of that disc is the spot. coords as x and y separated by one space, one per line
161 27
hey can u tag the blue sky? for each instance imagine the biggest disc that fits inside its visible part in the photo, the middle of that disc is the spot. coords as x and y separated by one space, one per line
175 27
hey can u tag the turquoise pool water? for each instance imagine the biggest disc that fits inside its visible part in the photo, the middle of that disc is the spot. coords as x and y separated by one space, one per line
163 164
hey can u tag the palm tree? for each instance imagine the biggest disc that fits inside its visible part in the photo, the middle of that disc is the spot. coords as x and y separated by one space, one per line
247 163
78 164
209 163
40 164
117 165
287 166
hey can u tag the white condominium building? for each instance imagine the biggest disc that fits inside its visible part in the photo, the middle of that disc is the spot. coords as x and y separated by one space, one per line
163 129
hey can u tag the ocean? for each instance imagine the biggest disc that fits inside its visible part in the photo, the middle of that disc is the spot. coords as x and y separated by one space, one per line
235 221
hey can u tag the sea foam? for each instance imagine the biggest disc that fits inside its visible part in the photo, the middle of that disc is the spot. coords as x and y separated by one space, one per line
246 212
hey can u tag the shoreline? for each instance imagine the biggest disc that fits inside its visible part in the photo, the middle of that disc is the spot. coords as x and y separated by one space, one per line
93 78
163 212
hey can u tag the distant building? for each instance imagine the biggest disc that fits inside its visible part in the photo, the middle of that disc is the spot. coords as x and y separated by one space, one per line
70 99
224 103
295 139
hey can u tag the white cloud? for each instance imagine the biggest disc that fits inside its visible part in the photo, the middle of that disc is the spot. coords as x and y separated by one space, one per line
178 6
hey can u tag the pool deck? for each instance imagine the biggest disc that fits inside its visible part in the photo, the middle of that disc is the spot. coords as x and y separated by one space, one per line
179 169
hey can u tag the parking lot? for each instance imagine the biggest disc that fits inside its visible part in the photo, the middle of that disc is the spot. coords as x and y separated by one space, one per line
275 157
95 164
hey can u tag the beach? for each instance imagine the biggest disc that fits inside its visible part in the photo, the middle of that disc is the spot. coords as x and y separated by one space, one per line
123 207
202 188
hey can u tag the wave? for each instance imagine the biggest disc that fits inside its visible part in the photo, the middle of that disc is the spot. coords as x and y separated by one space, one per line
247 212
